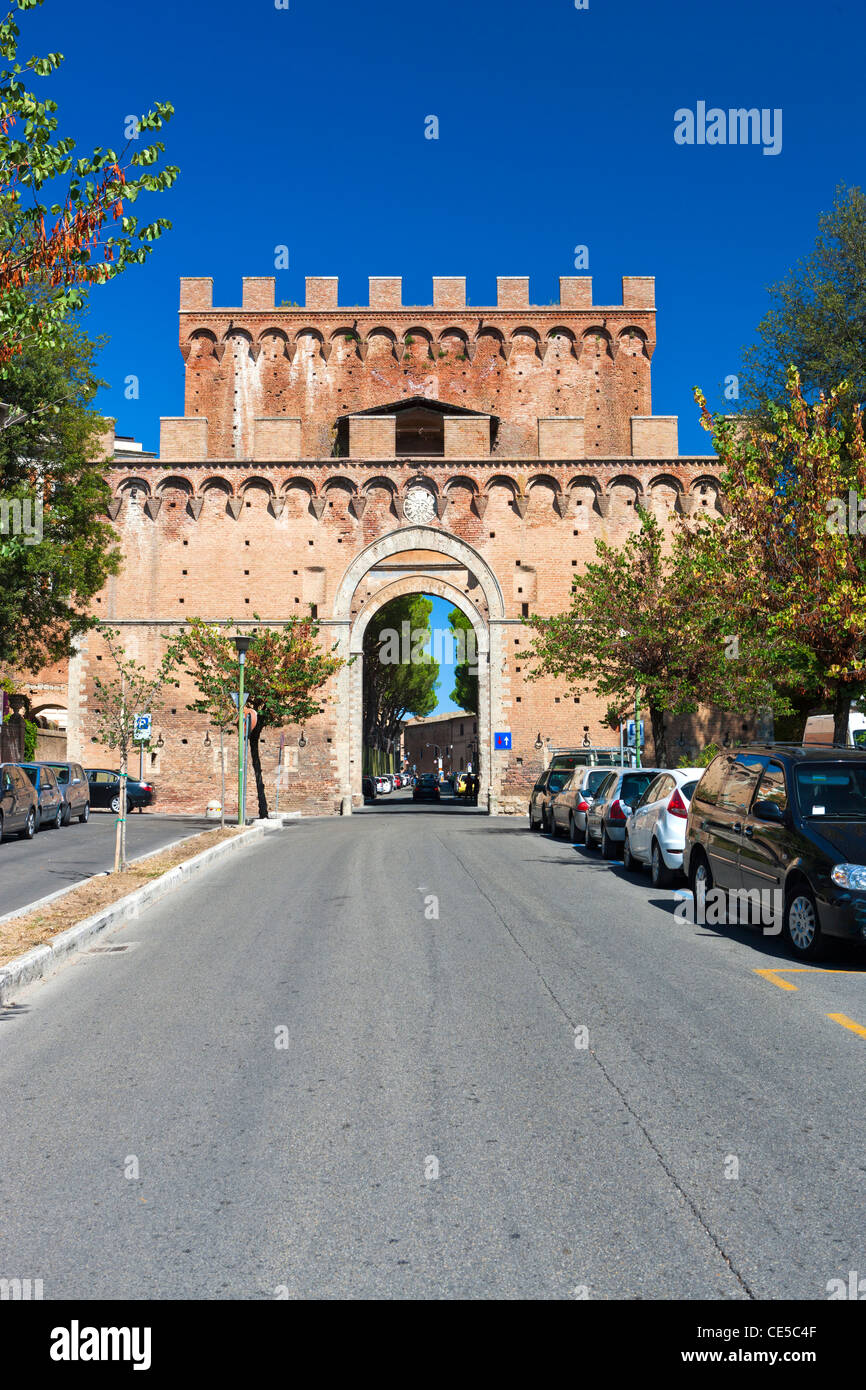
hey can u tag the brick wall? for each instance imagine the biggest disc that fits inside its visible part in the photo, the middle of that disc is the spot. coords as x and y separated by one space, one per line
276 439
561 439
514 360
654 436
372 436
467 436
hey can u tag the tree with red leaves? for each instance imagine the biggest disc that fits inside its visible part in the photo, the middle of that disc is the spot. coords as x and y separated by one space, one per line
51 251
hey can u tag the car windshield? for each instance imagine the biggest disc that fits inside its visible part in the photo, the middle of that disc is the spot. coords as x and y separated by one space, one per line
634 784
832 791
569 761
61 773
558 779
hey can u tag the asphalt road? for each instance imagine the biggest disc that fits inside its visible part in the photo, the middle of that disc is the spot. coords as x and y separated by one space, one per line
430 1128
54 859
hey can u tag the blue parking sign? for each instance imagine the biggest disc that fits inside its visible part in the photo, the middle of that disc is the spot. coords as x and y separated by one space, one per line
141 731
502 741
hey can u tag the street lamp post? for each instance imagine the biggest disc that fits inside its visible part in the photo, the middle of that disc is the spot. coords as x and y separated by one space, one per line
242 645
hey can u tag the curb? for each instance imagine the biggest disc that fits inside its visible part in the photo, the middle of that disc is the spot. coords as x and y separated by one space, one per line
100 873
41 960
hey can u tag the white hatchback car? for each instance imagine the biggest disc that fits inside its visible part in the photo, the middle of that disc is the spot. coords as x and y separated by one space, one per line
655 832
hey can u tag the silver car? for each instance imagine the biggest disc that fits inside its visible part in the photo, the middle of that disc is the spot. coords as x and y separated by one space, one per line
618 794
570 806
655 832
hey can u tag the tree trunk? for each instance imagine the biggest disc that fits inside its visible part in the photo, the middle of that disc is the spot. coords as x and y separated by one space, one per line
222 780
841 712
255 756
660 737
120 824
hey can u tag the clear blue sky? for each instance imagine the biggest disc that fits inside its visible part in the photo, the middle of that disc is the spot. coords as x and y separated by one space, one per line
439 619
305 127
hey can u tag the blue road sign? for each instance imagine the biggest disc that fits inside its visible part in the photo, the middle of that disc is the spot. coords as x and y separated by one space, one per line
141 733
502 741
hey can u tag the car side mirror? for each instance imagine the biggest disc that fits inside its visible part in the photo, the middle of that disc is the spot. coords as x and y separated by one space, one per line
768 811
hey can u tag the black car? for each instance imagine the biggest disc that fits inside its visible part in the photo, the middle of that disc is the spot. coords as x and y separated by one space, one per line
18 802
105 790
49 797
548 786
72 780
368 787
426 788
790 821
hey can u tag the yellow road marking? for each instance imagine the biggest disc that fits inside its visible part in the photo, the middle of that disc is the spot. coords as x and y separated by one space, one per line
773 975
847 1022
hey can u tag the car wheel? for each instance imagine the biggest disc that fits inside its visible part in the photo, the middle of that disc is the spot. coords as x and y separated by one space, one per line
58 819
628 860
30 828
659 871
115 805
1 827
700 879
801 925
608 848
544 826
67 814
85 814
574 834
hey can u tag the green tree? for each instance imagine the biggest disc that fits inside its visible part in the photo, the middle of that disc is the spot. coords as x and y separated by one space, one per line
200 647
818 316
400 675
84 235
791 553
640 620
123 690
56 545
465 692
286 669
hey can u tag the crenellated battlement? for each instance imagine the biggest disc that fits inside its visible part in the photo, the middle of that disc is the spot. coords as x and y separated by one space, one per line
270 381
386 292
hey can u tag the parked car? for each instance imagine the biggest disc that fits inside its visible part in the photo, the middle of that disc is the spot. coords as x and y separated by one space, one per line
549 785
104 787
426 788
618 794
398 781
18 802
72 780
569 809
368 787
461 785
50 806
655 832
583 757
789 819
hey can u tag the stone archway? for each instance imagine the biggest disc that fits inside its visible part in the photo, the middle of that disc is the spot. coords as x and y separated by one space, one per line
353 624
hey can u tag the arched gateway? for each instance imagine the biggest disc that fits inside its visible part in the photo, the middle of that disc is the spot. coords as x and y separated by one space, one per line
330 458
486 615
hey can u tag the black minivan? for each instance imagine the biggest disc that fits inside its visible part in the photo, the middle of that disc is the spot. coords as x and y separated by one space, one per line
789 820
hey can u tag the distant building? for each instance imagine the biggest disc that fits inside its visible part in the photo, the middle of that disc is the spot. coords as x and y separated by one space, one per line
449 741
